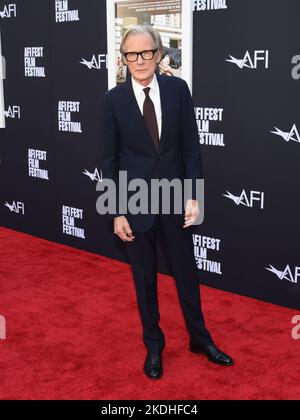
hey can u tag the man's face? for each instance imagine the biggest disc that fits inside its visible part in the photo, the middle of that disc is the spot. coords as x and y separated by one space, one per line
141 70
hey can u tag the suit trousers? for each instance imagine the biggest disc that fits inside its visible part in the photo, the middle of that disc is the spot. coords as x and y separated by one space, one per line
178 246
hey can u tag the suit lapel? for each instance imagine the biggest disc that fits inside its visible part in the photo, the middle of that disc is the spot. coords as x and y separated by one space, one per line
164 109
139 117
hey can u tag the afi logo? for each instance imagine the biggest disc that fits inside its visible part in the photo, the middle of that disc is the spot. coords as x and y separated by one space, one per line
13 112
296 69
95 62
9 11
287 274
251 62
16 207
296 329
248 201
94 176
292 135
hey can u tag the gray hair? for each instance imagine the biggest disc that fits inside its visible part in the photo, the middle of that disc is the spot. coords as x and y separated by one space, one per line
141 29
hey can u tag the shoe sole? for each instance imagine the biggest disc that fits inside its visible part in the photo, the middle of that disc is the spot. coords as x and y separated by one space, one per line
209 358
154 377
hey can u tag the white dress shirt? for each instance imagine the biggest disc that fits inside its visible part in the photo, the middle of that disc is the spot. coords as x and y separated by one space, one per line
154 95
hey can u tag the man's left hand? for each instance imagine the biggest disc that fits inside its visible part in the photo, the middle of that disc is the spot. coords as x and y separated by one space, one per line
191 212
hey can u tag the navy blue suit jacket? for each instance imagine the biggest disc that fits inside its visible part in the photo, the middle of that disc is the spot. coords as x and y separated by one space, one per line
126 143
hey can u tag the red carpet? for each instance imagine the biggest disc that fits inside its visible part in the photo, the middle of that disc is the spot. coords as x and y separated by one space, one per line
73 332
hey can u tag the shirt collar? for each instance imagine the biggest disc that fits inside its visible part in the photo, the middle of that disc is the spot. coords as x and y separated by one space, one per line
138 88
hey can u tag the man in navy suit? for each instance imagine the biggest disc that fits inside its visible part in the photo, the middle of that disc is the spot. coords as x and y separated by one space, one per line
150 132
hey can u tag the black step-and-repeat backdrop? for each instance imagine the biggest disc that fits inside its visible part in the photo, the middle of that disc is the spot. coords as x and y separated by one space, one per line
246 91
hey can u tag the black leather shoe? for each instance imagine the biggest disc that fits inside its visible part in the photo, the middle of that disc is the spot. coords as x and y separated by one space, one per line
213 354
153 365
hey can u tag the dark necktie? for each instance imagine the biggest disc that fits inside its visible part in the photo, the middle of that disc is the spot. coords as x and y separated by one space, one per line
150 118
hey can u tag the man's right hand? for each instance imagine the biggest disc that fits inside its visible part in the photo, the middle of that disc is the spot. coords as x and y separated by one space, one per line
122 229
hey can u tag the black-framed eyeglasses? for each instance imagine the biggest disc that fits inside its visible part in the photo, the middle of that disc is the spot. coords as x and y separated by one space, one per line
146 55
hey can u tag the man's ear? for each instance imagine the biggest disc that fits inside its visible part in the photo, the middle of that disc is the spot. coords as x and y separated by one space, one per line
158 56
123 60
